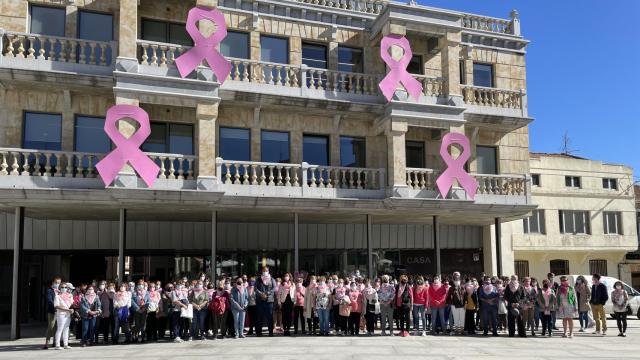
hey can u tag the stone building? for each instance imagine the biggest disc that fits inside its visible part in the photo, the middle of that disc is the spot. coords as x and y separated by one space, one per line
585 222
296 161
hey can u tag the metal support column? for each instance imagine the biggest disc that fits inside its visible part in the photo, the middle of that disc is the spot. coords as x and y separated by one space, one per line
122 244
436 244
16 296
498 229
296 245
371 270
214 234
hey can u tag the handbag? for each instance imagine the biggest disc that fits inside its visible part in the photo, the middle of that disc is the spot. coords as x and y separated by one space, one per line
187 312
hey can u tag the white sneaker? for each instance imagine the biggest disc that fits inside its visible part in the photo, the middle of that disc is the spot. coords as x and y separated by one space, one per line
177 340
424 333
58 348
210 333
67 347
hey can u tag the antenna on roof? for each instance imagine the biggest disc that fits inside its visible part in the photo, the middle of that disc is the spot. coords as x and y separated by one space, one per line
566 145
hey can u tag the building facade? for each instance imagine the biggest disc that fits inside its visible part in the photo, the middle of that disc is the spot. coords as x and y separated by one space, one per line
585 222
297 161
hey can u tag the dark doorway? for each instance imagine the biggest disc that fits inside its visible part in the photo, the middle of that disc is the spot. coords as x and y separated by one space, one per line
87 267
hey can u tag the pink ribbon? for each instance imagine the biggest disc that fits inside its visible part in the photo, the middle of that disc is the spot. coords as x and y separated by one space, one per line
205 48
398 69
127 150
455 167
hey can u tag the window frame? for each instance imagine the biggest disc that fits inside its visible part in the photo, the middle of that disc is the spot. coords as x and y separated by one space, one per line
248 42
325 136
571 179
598 266
586 220
496 158
540 217
617 220
75 133
521 264
565 266
361 50
420 64
493 74
262 131
167 135
167 28
113 23
407 143
535 176
219 140
24 126
608 182
364 140
288 51
50 6
312 43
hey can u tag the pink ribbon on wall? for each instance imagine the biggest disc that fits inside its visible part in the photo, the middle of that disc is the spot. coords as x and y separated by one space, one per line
205 48
455 167
398 68
127 150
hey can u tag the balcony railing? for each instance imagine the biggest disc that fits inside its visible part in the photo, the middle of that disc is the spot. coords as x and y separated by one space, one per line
488 184
73 164
492 97
431 86
60 49
421 179
484 23
365 6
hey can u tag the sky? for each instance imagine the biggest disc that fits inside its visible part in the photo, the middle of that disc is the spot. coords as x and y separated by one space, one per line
583 73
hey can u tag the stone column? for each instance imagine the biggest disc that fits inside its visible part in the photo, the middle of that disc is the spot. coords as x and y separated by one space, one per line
206 118
450 56
254 44
16 295
68 122
214 244
396 157
128 29
122 244
71 21
332 56
436 244
256 136
295 50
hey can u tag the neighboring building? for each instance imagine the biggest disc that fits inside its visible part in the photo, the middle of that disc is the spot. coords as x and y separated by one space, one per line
297 161
631 265
585 222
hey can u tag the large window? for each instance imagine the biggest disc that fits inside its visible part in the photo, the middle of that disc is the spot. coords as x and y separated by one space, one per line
235 144
274 49
598 266
521 268
487 159
535 222
572 181
42 131
574 222
166 32
352 151
314 55
559 267
170 138
47 20
416 66
235 45
89 135
350 59
414 151
483 75
612 222
315 149
275 146
98 27
611 184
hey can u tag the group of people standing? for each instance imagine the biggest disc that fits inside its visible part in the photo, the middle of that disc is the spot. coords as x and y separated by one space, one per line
319 305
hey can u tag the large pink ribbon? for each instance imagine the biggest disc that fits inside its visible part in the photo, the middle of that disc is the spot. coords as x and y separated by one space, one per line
398 68
455 167
127 150
205 48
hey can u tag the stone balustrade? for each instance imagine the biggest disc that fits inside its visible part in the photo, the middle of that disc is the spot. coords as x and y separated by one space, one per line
492 97
55 48
333 177
485 23
365 6
421 179
157 54
73 164
511 185
340 81
431 86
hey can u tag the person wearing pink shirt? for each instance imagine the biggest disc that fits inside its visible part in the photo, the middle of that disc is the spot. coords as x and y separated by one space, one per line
356 309
420 304
437 303
298 306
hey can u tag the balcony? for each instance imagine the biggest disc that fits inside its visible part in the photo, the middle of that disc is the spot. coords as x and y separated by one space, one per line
22 168
25 51
363 6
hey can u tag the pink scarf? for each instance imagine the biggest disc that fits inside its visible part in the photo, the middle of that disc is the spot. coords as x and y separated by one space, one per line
340 291
154 295
514 285
546 294
90 298
66 297
487 289
266 279
470 288
564 289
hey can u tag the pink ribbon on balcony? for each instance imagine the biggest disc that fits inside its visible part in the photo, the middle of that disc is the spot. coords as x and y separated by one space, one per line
127 150
455 167
205 48
398 68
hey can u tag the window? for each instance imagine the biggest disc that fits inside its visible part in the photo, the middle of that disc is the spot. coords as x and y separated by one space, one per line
315 149
170 139
166 32
350 59
98 27
89 135
235 45
416 66
612 222
415 154
48 20
483 75
274 49
314 55
611 184
572 181
574 222
275 146
535 222
463 73
559 267
487 159
521 268
535 179
598 267
42 131
235 144
352 151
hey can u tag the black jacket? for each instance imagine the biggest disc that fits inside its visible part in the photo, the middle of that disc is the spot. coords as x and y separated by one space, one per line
513 296
599 294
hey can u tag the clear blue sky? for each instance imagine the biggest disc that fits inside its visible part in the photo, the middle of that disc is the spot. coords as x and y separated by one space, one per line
583 72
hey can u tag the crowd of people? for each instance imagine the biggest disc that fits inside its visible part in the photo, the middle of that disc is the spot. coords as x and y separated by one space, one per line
325 305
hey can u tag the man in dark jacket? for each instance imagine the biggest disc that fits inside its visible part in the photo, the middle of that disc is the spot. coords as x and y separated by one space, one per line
51 311
554 286
265 289
599 297
514 294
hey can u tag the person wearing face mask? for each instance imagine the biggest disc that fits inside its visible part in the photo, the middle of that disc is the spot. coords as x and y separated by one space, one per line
62 303
219 307
567 306
121 305
620 300
536 304
166 311
404 303
199 300
252 311
309 307
356 300
583 294
554 286
386 295
488 297
265 296
470 307
298 306
179 301
370 306
338 299
420 304
239 300
599 297
52 291
152 313
548 303
139 307
528 305
90 309
321 298
514 295
286 295
105 325
455 301
437 303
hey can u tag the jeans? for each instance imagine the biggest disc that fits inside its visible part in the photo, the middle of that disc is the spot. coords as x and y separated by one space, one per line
63 320
621 321
176 323
386 313
489 314
88 329
546 324
583 317
119 323
354 323
418 315
298 314
323 315
599 317
197 325
238 321
265 311
438 313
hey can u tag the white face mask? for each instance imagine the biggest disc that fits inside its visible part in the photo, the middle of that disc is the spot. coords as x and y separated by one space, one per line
90 291
265 273
619 287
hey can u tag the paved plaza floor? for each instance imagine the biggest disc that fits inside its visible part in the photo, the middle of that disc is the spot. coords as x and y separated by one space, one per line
581 346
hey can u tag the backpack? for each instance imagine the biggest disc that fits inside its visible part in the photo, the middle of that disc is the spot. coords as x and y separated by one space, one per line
218 305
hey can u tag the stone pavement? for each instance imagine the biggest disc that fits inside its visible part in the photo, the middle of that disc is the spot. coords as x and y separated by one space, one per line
582 346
